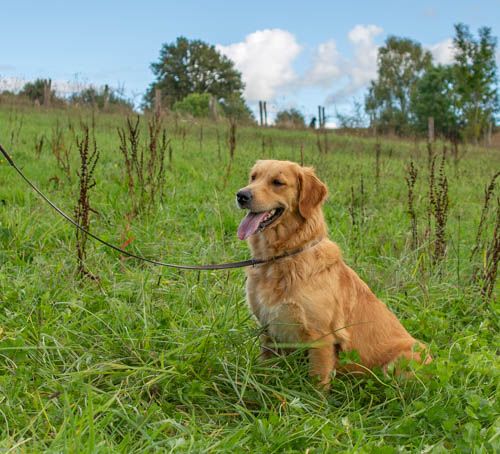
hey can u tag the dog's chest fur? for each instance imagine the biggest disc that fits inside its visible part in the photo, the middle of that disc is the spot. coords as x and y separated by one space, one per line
268 295
283 322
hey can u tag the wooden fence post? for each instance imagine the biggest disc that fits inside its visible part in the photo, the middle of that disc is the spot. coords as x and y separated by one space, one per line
265 113
430 126
106 96
212 104
47 92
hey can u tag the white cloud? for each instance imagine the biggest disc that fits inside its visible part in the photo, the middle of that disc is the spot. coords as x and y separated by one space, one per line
326 66
362 68
442 51
265 59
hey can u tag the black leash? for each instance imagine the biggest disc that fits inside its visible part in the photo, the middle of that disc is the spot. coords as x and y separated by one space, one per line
219 266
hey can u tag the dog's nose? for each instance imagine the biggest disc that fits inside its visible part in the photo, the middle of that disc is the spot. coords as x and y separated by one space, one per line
244 197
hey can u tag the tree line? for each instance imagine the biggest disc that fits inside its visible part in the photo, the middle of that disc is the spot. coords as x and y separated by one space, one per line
461 97
193 77
41 92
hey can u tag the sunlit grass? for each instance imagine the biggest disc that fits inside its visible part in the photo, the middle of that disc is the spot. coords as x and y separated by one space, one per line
149 359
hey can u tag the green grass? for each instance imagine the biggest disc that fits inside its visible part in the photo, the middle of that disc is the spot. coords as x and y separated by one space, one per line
150 359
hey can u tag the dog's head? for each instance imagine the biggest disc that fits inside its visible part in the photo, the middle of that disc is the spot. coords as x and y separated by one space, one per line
278 190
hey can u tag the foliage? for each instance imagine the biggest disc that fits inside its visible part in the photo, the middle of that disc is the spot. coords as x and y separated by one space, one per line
475 72
290 118
198 105
35 90
461 97
192 66
356 119
436 96
154 360
195 104
235 108
101 98
401 62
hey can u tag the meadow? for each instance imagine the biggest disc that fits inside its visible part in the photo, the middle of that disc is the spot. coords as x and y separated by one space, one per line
128 357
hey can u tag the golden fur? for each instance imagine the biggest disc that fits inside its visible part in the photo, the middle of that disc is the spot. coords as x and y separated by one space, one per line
314 297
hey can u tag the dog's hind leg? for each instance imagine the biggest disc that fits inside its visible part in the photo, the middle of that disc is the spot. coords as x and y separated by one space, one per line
417 352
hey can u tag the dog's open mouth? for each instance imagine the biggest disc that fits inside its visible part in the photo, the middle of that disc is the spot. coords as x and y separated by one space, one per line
256 222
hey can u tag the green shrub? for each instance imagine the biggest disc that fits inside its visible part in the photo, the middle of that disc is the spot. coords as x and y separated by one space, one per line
195 104
290 118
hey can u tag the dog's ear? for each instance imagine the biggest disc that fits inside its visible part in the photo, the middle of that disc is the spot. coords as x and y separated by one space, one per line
312 192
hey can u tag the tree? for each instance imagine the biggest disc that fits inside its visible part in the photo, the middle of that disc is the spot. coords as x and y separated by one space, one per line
436 96
234 106
101 98
475 73
35 90
193 66
290 118
401 62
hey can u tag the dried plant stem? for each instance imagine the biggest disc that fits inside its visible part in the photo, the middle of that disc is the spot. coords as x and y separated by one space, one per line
486 272
411 179
438 207
430 155
218 144
39 142
145 163
492 259
232 149
318 143
89 155
60 151
488 195
129 146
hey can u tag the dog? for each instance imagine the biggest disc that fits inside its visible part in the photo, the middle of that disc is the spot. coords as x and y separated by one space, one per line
311 297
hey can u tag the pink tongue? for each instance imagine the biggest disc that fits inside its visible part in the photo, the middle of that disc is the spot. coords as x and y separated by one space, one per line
250 224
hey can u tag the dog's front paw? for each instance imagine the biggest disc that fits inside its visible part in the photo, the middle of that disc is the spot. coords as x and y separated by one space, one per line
324 385
267 353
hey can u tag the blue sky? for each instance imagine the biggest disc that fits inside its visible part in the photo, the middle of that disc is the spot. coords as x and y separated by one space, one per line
291 53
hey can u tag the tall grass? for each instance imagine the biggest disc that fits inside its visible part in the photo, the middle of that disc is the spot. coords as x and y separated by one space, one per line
149 359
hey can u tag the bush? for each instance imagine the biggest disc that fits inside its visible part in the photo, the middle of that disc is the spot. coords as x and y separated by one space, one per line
101 98
195 104
290 118
198 105
35 90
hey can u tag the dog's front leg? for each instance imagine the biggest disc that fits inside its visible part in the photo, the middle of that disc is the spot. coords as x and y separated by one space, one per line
267 347
322 359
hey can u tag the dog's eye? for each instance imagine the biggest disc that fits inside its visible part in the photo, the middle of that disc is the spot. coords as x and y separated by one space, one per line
253 177
278 183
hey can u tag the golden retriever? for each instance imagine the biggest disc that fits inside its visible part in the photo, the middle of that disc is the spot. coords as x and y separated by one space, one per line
311 297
